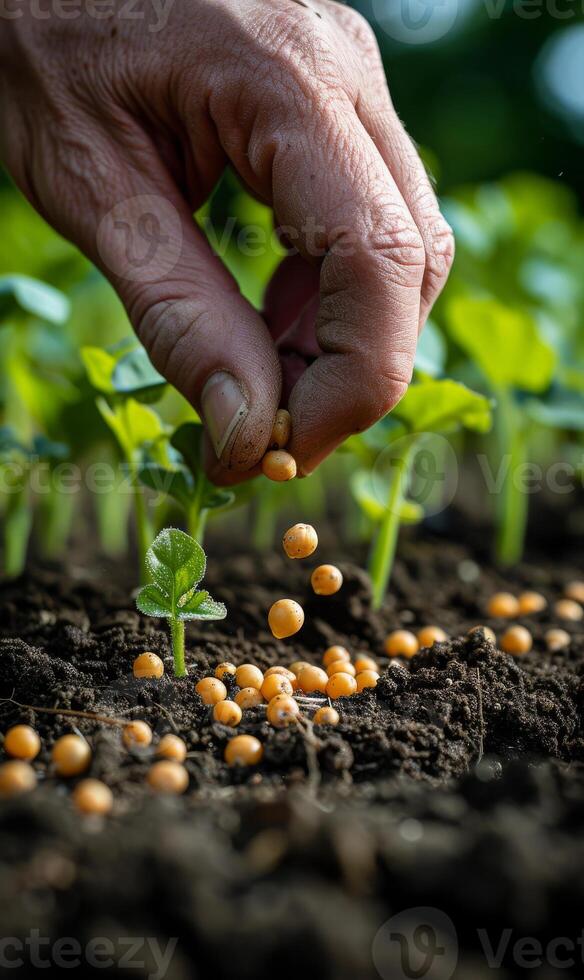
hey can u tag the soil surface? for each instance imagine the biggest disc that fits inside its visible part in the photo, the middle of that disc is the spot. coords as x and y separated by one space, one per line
451 796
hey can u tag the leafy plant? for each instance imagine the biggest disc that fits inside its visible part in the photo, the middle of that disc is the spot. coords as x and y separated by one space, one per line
387 454
176 563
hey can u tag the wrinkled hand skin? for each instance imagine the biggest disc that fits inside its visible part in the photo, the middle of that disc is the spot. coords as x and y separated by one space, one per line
95 113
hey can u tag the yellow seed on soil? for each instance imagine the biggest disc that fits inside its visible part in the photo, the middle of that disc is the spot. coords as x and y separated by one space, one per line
311 679
172 747
211 690
16 777
285 618
276 684
401 643
569 609
283 671
279 466
93 796
326 579
168 777
366 678
341 686
228 712
531 602
71 755
282 711
575 591
225 668
148 665
249 697
557 640
341 667
365 663
281 429
243 750
300 541
137 735
326 716
334 654
22 742
430 635
299 665
489 633
516 640
248 675
503 605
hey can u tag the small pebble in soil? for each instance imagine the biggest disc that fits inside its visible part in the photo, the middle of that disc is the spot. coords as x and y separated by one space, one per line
168 777
575 591
71 755
335 653
341 667
148 665
489 634
16 777
279 466
91 796
503 605
285 618
430 635
326 716
401 643
300 541
211 690
516 640
341 686
281 429
137 735
556 639
276 684
311 679
228 712
243 750
282 710
248 675
326 580
366 678
531 602
22 742
249 697
569 609
172 747
223 669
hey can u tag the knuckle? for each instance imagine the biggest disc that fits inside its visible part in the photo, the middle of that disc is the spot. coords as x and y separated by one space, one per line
440 254
353 23
400 252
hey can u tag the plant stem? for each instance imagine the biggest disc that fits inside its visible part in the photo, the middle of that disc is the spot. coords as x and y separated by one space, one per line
177 632
143 528
197 516
57 511
382 556
264 528
17 527
513 502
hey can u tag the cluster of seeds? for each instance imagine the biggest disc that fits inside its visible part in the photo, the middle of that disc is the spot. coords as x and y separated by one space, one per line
277 464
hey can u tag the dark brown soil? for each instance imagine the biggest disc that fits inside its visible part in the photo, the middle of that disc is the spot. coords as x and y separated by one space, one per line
457 784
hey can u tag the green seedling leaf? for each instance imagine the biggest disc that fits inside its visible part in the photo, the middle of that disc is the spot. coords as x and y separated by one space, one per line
21 294
135 426
99 365
134 374
153 602
504 342
443 406
562 410
431 352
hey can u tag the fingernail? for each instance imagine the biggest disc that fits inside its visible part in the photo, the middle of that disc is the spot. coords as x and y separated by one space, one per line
224 407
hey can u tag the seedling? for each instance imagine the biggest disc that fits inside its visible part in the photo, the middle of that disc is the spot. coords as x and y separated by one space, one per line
176 564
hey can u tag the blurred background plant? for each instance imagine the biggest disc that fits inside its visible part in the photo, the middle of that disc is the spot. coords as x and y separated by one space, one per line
80 403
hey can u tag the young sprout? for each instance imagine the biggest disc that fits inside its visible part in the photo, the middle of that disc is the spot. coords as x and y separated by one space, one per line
341 686
248 675
430 635
489 633
401 643
341 667
569 609
227 713
137 735
91 796
16 777
281 429
575 591
176 563
148 666
169 777
312 679
531 602
22 742
366 678
276 684
503 605
326 580
516 640
285 618
335 653
172 747
226 668
365 663
211 690
279 466
557 639
243 750
282 710
71 755
249 697
300 541
326 716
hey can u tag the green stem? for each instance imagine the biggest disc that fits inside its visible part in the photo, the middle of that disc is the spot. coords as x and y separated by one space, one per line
197 515
17 527
383 554
264 528
513 502
143 528
177 632
57 511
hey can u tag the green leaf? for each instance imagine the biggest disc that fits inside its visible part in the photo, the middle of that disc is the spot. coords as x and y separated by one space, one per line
177 484
363 492
443 406
23 294
431 352
562 410
134 374
207 609
153 602
188 440
503 341
99 365
134 425
176 562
